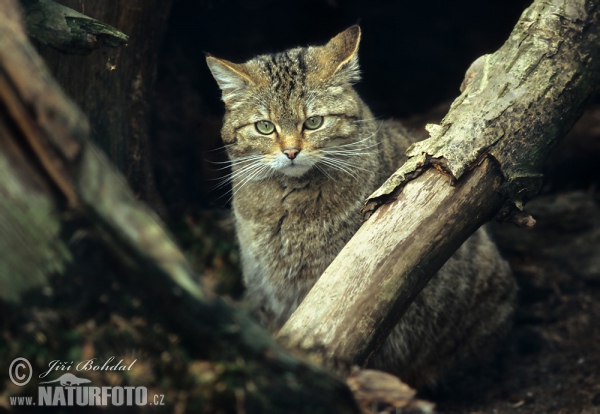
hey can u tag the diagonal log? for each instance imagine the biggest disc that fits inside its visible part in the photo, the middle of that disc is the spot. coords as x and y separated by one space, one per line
51 172
483 161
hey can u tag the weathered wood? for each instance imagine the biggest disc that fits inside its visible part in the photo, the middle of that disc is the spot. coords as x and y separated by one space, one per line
516 104
51 171
67 30
344 319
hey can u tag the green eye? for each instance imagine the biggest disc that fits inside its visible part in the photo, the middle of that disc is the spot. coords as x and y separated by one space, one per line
313 122
265 127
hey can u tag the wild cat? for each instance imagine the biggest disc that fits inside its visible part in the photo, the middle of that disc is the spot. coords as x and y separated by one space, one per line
306 152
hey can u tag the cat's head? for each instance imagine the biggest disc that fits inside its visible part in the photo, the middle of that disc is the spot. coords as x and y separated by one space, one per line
295 111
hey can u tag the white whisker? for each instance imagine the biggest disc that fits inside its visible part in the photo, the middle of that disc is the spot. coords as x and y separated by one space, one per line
323 171
337 166
355 151
220 148
362 140
236 188
238 173
237 162
350 165
369 119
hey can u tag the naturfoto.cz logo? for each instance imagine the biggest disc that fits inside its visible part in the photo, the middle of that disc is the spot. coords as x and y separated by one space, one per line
71 390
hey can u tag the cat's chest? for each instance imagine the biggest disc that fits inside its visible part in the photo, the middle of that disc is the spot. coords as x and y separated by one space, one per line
293 208
288 235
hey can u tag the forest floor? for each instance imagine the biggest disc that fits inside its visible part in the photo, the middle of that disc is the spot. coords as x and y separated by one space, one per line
552 361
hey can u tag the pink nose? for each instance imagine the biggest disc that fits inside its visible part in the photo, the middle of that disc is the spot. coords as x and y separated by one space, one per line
291 153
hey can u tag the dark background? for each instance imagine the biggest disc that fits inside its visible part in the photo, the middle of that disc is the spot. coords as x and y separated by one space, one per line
413 56
413 53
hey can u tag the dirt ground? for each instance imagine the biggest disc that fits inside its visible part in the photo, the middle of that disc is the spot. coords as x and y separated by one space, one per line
552 361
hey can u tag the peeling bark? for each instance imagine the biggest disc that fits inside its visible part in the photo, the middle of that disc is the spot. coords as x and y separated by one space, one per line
516 103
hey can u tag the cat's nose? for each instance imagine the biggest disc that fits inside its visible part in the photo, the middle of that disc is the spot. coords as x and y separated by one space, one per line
291 153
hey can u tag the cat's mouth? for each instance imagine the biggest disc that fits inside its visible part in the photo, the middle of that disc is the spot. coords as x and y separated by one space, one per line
296 167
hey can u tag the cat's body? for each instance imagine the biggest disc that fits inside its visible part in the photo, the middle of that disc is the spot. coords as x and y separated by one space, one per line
292 228
306 152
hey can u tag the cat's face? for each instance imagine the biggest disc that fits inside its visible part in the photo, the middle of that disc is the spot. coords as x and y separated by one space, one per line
293 112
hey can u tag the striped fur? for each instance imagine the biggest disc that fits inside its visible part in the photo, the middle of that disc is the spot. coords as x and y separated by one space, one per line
294 215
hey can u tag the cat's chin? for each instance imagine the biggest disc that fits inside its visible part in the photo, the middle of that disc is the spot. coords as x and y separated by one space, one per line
294 170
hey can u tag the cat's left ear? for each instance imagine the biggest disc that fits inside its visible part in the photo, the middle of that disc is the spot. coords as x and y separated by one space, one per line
341 54
231 77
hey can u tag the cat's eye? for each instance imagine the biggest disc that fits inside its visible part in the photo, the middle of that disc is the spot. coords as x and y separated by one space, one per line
265 127
313 122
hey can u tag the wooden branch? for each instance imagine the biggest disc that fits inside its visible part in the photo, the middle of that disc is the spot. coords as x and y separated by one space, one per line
515 105
67 30
50 171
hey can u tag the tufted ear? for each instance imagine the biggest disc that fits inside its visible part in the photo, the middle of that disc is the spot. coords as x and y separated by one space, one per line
340 55
231 77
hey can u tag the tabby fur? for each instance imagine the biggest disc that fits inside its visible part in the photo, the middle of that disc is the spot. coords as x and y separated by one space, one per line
293 216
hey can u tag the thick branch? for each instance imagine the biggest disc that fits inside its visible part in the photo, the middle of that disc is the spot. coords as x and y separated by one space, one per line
390 244
67 30
51 171
517 103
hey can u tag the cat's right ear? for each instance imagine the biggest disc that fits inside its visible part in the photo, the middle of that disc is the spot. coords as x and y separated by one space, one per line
340 55
230 76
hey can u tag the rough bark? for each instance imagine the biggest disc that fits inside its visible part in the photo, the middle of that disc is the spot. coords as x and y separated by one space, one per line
114 87
51 173
515 105
66 30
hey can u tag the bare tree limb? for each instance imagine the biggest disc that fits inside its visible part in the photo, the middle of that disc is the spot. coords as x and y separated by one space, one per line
516 104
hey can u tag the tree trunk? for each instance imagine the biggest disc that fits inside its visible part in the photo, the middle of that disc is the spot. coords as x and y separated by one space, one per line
55 183
516 104
113 87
